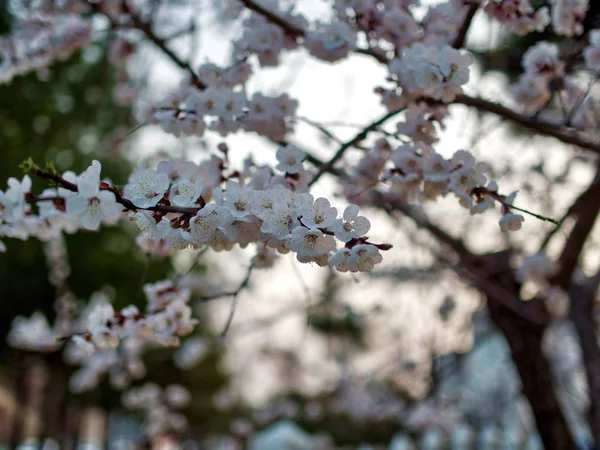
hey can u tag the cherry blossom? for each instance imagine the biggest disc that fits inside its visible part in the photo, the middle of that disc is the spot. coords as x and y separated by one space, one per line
220 204
436 72
91 204
511 222
290 159
146 188
351 226
592 53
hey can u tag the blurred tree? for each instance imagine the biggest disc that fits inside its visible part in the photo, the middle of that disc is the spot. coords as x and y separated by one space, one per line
68 116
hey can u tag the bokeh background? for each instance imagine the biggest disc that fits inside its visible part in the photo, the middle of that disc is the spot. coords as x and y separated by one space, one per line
406 353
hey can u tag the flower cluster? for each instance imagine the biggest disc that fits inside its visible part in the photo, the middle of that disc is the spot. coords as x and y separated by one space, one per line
260 207
518 15
104 341
542 65
417 173
567 16
120 365
186 205
265 39
536 268
159 407
168 316
331 42
41 41
222 105
544 71
430 71
534 273
33 333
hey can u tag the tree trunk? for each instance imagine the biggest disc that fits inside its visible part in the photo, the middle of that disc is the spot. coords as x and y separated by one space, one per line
582 315
525 340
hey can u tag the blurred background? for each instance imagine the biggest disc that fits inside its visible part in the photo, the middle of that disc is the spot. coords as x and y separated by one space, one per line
407 355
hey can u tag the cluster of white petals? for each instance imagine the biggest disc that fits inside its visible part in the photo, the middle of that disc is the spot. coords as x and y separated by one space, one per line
431 71
159 407
41 41
221 104
541 64
331 41
518 15
535 275
167 317
416 173
103 341
267 40
33 333
544 71
521 17
567 16
181 204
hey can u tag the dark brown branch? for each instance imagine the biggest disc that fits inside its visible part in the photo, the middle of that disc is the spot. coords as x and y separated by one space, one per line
525 340
469 264
234 297
146 28
297 32
576 208
461 35
586 218
581 312
548 129
289 28
522 323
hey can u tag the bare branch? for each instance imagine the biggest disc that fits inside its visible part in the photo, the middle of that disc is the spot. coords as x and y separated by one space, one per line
548 129
461 35
328 166
586 218
146 28
581 312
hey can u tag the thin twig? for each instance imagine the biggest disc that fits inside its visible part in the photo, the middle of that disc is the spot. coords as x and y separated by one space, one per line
321 128
568 137
580 101
146 28
328 166
125 202
532 214
197 260
234 297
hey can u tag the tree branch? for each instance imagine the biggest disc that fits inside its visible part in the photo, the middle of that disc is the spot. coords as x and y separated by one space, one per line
328 166
146 28
125 202
581 312
586 218
536 125
461 35
522 323
289 28
297 32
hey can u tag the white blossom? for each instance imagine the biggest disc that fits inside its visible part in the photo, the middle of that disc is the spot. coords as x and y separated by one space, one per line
290 159
146 188
91 204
